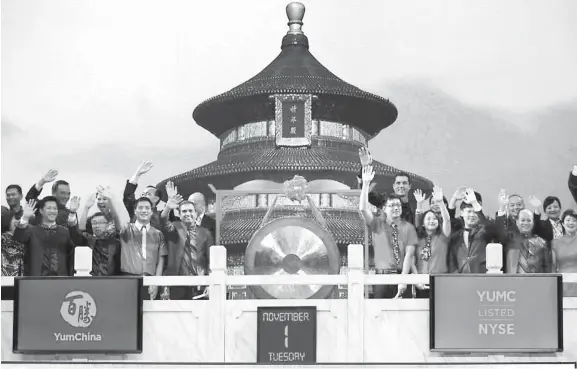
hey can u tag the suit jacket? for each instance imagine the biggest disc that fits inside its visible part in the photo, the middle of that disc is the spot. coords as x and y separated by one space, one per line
61 220
472 259
175 234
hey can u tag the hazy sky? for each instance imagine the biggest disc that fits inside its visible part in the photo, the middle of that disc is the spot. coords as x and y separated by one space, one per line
94 87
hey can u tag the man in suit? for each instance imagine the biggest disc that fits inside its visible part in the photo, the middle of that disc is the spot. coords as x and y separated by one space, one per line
467 245
188 246
202 220
66 216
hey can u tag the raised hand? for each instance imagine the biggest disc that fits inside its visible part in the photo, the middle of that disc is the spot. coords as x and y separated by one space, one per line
144 167
105 191
74 204
50 176
171 190
437 193
535 202
91 200
368 174
174 201
365 156
419 196
470 197
459 194
28 209
503 198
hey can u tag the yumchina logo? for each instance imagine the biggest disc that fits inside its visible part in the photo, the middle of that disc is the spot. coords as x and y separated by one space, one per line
78 310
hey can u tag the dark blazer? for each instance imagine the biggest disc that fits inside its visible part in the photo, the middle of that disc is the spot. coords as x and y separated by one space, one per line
472 259
36 239
61 220
175 234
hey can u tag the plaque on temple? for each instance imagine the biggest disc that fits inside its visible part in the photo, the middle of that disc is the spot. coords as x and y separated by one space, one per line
293 120
286 335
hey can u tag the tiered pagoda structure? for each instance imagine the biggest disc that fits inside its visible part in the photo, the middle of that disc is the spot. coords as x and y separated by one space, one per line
295 117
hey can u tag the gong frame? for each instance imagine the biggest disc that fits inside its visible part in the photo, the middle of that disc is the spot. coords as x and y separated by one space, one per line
219 194
309 224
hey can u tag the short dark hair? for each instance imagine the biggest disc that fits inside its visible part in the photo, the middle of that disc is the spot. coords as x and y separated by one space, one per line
98 214
143 199
550 200
391 197
58 183
47 199
157 192
185 202
403 174
568 213
465 205
15 187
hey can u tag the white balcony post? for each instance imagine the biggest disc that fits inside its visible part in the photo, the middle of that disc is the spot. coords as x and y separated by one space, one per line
494 258
82 261
355 304
217 300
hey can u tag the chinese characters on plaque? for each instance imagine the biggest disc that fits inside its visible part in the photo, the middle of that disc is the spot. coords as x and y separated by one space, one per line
293 120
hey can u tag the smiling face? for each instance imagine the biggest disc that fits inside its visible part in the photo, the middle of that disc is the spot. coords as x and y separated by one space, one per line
99 225
187 214
430 221
393 209
62 194
516 204
553 210
143 211
103 203
401 186
49 211
13 197
525 222
570 224
470 217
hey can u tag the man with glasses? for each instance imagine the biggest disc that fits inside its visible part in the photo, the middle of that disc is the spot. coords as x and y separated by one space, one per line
390 233
105 245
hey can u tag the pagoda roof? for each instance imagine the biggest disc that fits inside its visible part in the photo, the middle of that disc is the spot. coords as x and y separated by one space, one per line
294 160
295 71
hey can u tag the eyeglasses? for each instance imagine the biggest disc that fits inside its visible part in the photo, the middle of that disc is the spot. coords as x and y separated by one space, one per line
394 205
99 223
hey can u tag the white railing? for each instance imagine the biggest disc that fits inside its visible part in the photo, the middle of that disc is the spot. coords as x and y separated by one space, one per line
218 265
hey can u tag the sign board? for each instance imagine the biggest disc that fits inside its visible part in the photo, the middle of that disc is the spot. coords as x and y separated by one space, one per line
287 335
496 313
77 315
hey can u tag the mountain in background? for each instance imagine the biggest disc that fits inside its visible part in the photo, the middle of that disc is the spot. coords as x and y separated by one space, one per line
453 144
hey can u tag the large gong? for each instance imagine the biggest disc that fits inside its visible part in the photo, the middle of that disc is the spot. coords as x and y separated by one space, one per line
292 245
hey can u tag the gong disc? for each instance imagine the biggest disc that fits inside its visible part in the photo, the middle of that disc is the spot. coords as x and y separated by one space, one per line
292 246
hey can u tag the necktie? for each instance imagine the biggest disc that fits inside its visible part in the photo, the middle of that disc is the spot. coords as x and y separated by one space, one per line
396 248
143 230
426 252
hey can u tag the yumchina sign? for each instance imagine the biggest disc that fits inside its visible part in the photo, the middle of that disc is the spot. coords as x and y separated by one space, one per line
78 315
496 313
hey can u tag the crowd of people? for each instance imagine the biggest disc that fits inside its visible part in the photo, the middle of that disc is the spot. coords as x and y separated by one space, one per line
429 239
128 236
132 236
